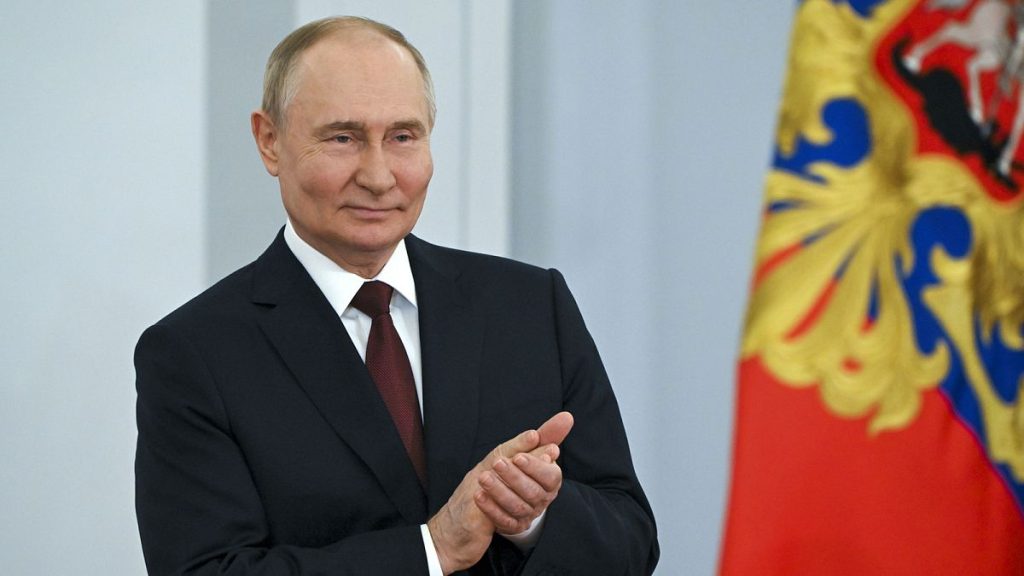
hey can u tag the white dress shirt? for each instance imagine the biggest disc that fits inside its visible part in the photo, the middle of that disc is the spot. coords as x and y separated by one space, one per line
340 286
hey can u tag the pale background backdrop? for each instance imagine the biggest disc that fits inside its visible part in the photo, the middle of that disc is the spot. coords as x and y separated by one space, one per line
622 142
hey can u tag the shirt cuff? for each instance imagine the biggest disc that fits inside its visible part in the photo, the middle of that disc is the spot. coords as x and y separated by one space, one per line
527 539
433 562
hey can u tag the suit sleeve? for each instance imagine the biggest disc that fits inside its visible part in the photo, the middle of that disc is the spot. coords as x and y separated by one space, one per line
601 521
199 512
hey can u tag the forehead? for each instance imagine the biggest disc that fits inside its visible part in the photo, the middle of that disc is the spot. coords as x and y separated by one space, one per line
358 68
356 49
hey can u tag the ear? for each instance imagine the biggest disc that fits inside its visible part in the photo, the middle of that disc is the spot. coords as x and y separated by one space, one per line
266 135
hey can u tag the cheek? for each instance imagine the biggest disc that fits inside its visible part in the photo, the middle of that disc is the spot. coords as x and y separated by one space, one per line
415 176
311 195
323 181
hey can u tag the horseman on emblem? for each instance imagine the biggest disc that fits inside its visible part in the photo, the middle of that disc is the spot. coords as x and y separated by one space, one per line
993 32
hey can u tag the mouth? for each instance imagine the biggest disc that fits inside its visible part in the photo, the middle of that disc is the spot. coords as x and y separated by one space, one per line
367 213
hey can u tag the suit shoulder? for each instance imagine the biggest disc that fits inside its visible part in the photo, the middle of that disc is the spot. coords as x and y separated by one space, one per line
482 266
227 298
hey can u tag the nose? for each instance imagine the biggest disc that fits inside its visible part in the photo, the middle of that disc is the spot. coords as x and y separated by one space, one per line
374 174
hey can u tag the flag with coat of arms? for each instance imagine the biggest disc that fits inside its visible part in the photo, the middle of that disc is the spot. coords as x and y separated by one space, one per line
880 414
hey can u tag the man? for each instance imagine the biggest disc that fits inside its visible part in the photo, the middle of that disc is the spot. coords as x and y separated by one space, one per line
276 439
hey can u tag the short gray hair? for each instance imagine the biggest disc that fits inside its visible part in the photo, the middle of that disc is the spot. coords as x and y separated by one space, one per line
279 79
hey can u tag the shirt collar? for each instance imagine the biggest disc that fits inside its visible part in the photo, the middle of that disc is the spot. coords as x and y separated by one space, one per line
340 285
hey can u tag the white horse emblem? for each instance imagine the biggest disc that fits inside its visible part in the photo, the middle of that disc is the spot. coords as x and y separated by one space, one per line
987 33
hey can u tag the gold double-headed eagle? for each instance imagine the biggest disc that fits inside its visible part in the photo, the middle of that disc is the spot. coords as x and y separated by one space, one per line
860 218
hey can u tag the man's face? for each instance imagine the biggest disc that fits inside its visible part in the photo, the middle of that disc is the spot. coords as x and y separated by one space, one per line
353 158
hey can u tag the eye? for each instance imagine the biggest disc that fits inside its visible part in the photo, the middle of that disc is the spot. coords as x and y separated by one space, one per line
403 137
342 139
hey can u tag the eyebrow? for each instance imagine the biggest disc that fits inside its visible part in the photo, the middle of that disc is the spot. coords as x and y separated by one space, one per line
412 125
343 125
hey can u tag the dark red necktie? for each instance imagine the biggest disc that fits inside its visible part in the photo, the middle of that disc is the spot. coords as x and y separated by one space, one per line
389 368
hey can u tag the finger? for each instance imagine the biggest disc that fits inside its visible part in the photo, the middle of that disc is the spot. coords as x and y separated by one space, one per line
548 452
524 442
502 521
555 429
521 487
547 475
505 496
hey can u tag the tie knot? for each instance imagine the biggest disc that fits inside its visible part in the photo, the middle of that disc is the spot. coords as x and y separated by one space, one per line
373 299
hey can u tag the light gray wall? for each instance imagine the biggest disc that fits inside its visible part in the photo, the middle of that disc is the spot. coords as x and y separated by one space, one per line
642 131
634 140
101 171
243 205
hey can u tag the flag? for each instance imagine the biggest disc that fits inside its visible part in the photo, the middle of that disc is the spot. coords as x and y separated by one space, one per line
880 419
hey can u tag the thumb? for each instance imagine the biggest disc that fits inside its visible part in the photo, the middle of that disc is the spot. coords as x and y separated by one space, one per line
551 432
555 429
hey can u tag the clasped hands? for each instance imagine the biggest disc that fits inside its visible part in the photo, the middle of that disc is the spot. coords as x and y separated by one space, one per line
503 493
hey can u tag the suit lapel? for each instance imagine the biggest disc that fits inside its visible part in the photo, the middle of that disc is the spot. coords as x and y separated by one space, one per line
311 339
450 341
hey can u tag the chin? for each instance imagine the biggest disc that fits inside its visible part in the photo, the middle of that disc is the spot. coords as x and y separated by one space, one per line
375 244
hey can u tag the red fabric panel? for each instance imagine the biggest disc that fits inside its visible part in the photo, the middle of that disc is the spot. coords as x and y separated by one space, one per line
815 494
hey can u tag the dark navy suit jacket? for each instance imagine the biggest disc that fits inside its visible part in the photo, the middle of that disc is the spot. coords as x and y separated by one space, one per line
264 447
